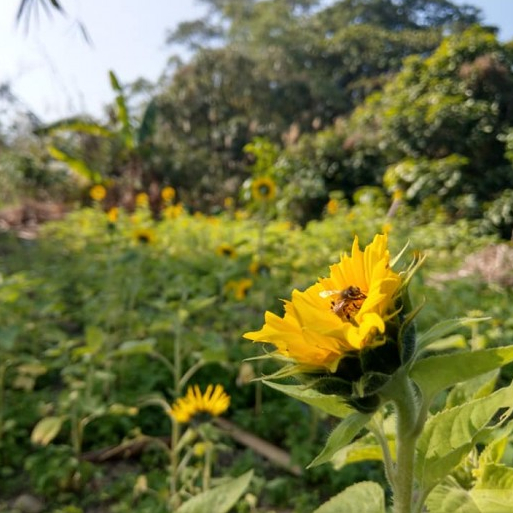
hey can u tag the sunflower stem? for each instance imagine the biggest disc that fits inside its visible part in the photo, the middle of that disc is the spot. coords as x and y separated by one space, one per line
406 406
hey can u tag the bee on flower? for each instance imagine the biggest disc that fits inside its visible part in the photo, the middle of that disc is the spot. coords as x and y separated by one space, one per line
345 325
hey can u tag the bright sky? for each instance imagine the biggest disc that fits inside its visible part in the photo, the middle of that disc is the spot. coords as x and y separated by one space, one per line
56 73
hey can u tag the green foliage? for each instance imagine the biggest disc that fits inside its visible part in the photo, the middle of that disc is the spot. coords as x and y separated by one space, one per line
221 498
364 497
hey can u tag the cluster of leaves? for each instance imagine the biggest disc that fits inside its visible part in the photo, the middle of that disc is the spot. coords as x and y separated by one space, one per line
87 309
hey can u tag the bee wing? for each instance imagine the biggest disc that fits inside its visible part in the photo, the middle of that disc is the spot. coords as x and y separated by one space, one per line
328 293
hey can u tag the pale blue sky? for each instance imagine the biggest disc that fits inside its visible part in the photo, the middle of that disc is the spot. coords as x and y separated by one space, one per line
56 74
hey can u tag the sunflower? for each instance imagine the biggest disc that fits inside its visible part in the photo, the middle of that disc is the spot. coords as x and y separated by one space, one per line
263 189
144 236
113 214
142 199
213 402
168 194
340 315
226 250
173 211
98 192
332 207
239 288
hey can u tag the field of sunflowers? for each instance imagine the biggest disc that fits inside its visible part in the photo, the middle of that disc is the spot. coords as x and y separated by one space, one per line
126 381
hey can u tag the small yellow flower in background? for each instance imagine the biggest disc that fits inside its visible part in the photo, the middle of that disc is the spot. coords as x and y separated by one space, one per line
257 267
332 207
263 189
240 215
168 194
229 203
142 199
144 236
98 192
173 211
213 402
239 288
387 228
113 214
226 250
339 315
398 195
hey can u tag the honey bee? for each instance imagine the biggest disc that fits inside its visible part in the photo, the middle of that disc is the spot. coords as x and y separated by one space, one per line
348 302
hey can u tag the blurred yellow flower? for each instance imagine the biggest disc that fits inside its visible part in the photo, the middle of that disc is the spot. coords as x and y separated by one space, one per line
263 189
239 288
213 402
168 194
332 207
142 199
240 215
226 250
257 267
229 203
98 192
173 211
113 214
338 315
144 236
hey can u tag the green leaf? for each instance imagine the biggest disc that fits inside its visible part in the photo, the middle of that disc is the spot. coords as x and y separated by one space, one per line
451 499
341 436
444 328
75 124
437 373
136 347
220 499
331 404
364 448
493 492
451 434
475 388
46 430
147 126
76 165
364 497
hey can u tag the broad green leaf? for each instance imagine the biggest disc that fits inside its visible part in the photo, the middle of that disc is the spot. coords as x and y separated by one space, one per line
136 347
76 165
220 499
364 497
437 373
444 328
451 434
451 499
75 124
147 126
365 448
493 492
341 436
331 404
46 430
475 388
